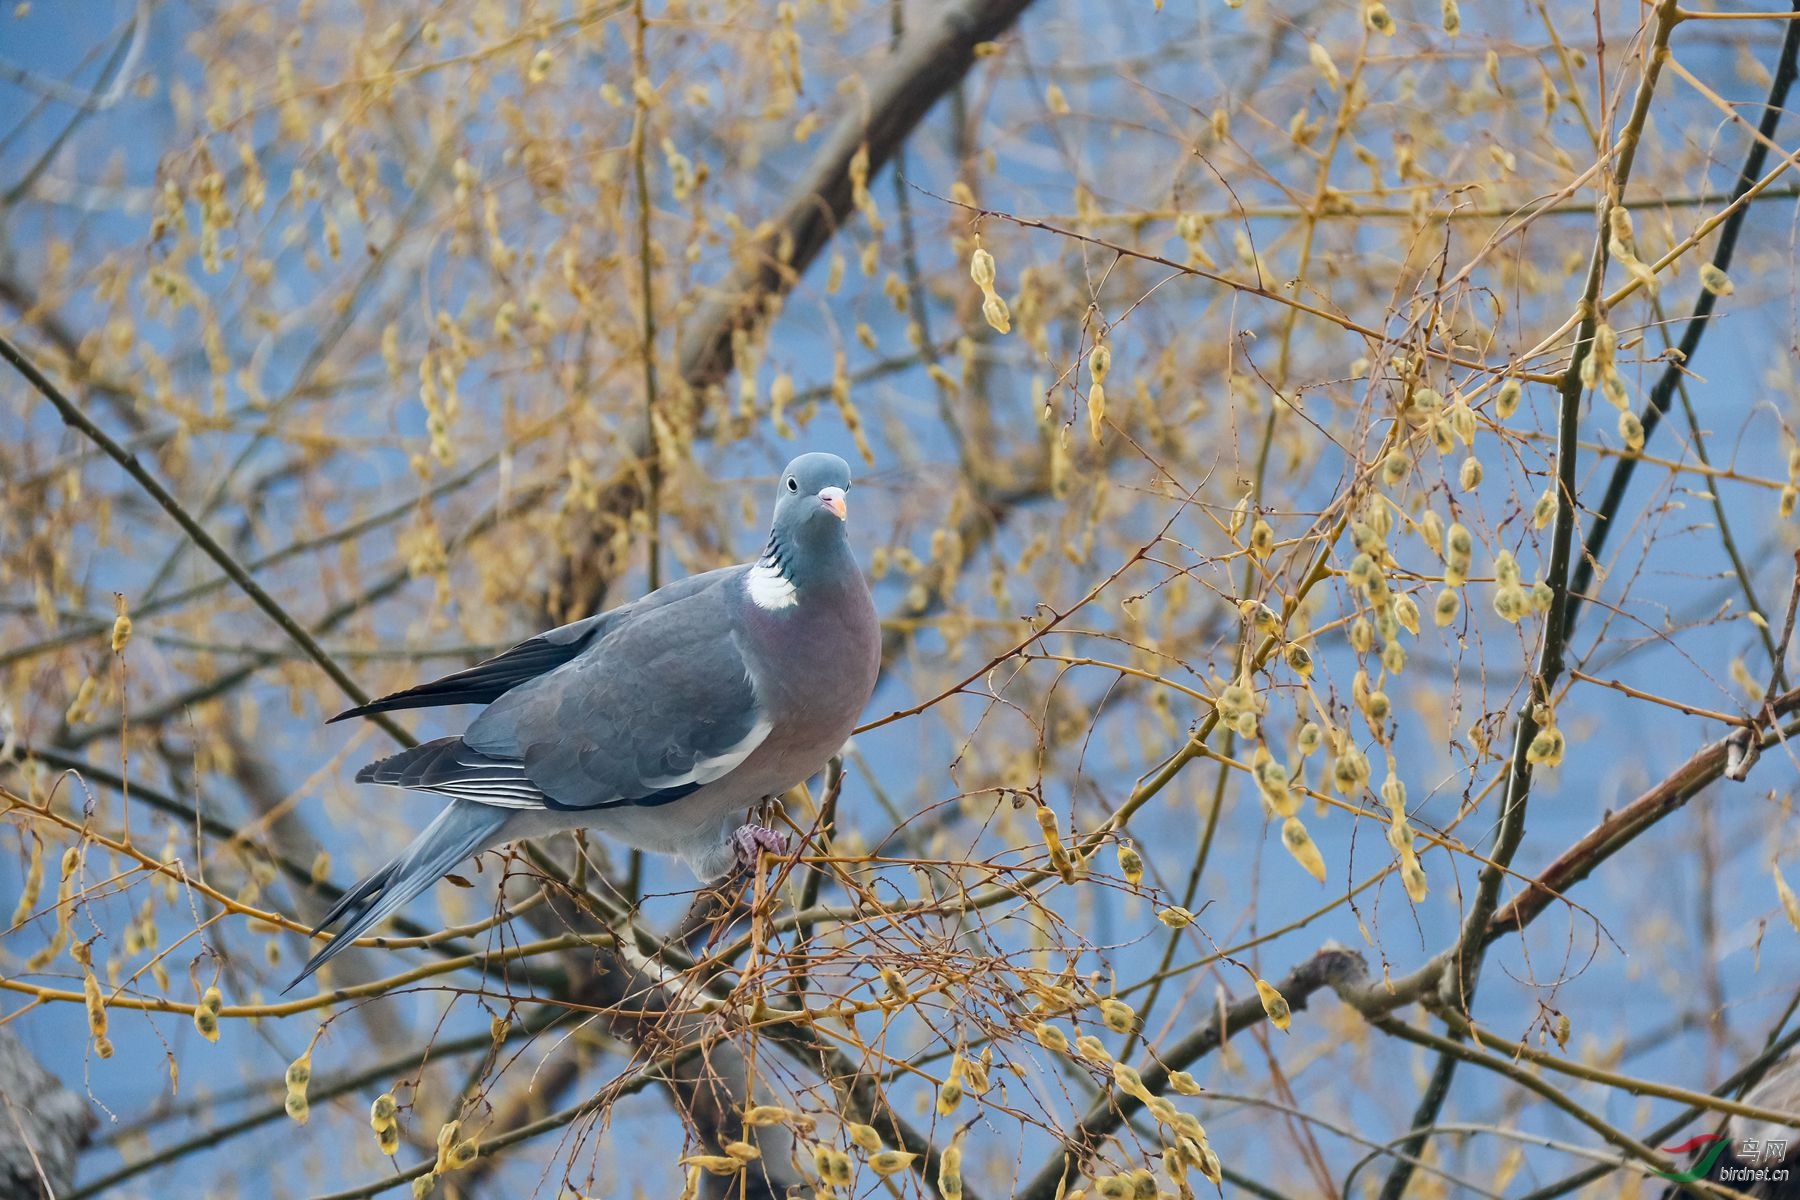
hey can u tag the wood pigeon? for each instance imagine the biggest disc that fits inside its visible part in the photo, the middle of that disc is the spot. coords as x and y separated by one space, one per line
660 723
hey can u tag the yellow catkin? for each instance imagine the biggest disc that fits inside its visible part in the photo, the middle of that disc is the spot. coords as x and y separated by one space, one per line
299 1075
1131 864
33 885
206 1014
96 1011
1059 857
1274 1004
1175 916
714 1164
891 1162
1118 1015
1789 903
1300 844
949 1178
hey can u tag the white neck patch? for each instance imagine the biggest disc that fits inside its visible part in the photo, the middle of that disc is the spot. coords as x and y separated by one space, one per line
770 589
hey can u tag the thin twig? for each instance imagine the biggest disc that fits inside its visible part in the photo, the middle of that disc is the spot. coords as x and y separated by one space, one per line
76 419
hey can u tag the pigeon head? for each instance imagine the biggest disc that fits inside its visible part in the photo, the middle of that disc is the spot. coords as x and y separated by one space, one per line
807 540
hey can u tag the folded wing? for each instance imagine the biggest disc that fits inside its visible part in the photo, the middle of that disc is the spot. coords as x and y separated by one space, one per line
656 706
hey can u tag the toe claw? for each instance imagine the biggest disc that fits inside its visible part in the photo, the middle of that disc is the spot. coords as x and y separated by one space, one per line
749 841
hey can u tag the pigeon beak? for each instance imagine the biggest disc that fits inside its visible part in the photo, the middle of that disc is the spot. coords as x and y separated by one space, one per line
833 498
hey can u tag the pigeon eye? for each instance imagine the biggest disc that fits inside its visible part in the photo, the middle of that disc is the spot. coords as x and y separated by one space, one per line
793 484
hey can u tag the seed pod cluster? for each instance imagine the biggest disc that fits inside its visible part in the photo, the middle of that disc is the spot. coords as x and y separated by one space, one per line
1060 860
1131 863
206 1014
384 1120
1118 1016
1300 844
1273 782
1274 1004
1099 364
299 1074
993 307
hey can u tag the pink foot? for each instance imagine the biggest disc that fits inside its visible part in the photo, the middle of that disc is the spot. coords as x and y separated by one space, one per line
749 841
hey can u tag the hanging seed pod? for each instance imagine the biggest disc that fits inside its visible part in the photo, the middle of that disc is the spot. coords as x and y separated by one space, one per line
1182 1082
1299 661
1300 845
299 1075
1470 475
1309 738
1631 430
759 1115
718 1164
467 1151
1274 1004
1051 1038
1059 857
1506 402
206 1014
1511 604
1262 540
1716 281
981 269
1395 468
1393 658
1175 916
1459 551
1789 904
949 1096
1089 1046
1412 878
1506 568
995 311
865 1136
1461 419
388 1140
96 1010
1544 511
1119 1016
1130 1082
949 1178
1546 749
1131 863
1272 781
891 1162
1114 1187
33 885
1350 772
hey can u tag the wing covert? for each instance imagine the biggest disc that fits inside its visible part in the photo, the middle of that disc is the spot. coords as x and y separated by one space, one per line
662 705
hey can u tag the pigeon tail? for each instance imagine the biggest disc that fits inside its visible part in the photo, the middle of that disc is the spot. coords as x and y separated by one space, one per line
463 829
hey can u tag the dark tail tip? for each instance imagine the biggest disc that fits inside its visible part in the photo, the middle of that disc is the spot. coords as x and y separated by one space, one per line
350 909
